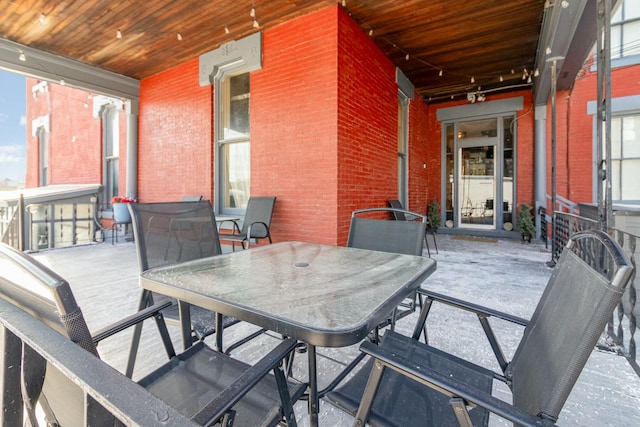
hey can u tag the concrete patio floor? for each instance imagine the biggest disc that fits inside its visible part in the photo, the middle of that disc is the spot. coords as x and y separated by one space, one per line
507 275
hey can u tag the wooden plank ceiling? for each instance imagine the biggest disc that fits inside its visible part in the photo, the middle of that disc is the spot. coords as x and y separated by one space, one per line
440 45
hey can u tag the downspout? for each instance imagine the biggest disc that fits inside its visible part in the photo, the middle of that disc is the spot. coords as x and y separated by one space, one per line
540 162
132 148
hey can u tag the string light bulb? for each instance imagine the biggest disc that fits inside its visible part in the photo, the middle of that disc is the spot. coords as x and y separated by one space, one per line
473 80
501 79
179 37
252 13
255 24
536 73
406 57
226 30
370 32
62 82
118 34
43 18
529 79
548 50
440 73
344 3
564 4
22 56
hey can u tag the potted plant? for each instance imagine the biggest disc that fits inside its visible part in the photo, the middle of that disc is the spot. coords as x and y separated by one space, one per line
433 214
525 224
120 208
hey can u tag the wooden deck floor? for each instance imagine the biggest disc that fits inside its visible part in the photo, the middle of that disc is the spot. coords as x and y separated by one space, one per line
505 275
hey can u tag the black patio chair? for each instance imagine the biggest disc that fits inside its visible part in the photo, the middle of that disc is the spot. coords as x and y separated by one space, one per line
255 225
167 233
399 216
416 384
371 229
201 383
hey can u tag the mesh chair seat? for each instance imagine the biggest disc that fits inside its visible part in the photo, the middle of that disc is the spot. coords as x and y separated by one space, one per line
402 403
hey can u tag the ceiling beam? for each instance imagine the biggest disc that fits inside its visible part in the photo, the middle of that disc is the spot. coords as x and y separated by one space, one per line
45 66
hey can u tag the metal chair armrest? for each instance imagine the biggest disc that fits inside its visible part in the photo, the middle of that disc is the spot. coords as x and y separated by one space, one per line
128 321
224 401
448 386
236 228
475 308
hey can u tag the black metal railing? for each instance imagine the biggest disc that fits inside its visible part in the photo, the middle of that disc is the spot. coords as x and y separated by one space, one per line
622 329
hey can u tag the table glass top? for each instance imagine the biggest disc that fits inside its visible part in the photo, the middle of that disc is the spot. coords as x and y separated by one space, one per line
314 287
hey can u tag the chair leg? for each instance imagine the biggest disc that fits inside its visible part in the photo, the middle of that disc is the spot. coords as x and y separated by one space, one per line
434 242
427 244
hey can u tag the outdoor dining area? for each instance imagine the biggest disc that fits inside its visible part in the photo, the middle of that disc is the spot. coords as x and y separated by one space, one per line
481 332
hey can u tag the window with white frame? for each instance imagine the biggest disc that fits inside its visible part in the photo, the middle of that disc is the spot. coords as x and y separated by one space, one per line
625 30
233 141
625 158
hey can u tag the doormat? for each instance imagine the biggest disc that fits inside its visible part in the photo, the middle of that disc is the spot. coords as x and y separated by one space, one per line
476 239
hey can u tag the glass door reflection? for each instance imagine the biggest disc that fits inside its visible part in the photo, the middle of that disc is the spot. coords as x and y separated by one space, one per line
477 187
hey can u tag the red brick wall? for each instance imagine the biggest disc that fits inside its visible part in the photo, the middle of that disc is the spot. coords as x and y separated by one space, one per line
323 129
75 138
424 182
293 127
367 125
175 136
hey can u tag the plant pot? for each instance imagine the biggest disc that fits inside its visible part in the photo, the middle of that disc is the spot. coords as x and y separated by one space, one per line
121 212
526 237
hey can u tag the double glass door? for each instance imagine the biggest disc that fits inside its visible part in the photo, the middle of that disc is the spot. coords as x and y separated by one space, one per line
479 170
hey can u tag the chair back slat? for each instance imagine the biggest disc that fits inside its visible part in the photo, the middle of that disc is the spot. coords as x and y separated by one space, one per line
170 232
570 317
397 214
259 210
403 237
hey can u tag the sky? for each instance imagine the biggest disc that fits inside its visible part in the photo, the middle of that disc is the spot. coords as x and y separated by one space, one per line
13 130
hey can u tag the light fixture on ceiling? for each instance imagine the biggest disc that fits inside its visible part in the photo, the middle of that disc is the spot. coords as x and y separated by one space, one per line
478 96
22 56
118 34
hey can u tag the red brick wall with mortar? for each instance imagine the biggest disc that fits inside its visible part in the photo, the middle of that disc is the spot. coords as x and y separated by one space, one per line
75 138
367 125
175 136
293 127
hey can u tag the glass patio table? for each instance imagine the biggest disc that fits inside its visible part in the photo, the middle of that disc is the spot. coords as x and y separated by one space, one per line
322 295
